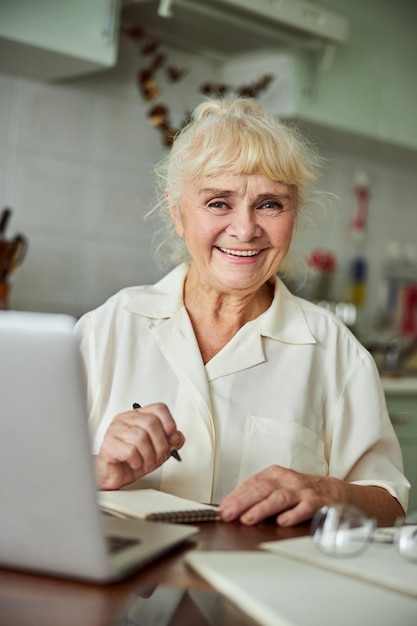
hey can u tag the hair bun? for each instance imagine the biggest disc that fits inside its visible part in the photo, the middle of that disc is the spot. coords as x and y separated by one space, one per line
240 107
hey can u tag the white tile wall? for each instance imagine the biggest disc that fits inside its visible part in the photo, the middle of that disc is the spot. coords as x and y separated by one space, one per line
75 166
76 163
7 86
107 267
7 135
50 275
3 161
54 121
49 194
114 201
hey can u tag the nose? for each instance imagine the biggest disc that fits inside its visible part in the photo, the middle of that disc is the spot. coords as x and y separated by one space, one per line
243 224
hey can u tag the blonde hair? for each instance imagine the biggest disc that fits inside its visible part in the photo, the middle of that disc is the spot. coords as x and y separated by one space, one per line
237 136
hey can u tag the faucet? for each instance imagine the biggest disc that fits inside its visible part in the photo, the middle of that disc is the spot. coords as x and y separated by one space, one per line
398 349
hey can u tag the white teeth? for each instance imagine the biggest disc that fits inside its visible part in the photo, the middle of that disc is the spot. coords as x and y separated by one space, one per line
240 252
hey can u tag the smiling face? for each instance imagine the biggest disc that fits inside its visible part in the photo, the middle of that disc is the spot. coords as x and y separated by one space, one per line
237 228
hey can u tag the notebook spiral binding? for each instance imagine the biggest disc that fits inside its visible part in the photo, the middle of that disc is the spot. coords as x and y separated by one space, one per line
198 515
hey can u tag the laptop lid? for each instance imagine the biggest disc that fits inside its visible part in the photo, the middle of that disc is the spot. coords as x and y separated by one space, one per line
50 520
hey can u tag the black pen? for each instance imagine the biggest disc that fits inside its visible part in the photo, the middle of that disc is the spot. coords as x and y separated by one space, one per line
173 453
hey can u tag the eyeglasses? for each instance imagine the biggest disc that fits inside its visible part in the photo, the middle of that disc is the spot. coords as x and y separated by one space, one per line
344 530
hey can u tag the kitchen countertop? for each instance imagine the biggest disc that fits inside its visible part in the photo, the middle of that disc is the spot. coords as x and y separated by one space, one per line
399 385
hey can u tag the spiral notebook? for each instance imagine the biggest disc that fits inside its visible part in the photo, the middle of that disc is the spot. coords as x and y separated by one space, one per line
156 506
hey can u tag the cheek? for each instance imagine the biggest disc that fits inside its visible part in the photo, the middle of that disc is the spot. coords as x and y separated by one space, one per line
290 232
284 234
199 233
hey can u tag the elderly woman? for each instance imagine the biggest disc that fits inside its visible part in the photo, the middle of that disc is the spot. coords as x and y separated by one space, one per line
276 407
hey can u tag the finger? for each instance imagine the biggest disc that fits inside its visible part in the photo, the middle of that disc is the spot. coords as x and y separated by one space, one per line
302 512
112 475
175 437
150 439
145 432
161 411
116 450
237 503
254 489
276 502
124 463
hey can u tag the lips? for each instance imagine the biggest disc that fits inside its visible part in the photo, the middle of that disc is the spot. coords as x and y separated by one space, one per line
240 253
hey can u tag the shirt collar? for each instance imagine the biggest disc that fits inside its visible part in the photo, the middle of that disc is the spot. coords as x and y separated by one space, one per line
162 299
283 321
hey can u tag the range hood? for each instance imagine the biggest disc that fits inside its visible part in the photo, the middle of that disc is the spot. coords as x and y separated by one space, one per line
229 27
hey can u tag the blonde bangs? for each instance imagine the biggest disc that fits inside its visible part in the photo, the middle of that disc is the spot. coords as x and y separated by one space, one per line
233 145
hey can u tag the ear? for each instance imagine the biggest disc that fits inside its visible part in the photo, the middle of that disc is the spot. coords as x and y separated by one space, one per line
175 214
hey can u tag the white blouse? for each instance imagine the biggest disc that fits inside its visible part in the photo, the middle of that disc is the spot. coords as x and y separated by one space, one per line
293 387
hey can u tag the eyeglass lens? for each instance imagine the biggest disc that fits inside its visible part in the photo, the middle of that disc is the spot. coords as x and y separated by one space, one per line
345 530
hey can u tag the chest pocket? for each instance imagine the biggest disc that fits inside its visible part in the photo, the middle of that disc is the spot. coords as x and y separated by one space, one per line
279 442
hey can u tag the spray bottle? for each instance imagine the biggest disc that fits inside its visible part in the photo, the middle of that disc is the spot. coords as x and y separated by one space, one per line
358 269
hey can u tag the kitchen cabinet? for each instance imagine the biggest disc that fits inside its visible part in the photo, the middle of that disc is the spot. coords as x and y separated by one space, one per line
368 88
362 92
346 91
57 39
402 408
399 94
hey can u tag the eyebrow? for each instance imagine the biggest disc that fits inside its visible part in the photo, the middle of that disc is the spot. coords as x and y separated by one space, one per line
280 196
216 192
229 192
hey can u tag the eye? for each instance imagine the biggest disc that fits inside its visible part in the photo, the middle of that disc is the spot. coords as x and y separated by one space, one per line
218 206
271 205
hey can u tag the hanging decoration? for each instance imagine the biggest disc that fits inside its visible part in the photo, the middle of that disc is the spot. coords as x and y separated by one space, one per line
148 86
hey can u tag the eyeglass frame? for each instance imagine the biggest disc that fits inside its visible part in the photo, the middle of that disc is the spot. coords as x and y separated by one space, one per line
344 530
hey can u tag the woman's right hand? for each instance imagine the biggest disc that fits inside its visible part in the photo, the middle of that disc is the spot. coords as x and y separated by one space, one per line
136 443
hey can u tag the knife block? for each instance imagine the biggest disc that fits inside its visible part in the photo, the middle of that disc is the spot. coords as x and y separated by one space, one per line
4 295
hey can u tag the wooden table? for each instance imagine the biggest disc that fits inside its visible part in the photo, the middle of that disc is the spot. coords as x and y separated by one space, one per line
165 593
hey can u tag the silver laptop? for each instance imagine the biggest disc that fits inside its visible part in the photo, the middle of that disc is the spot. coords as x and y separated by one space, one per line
50 521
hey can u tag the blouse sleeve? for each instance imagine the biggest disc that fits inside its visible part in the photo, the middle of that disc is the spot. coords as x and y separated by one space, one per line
364 448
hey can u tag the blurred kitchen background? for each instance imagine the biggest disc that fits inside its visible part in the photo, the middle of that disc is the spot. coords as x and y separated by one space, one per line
91 91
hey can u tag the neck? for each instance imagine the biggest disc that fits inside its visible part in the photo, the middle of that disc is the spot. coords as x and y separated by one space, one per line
216 317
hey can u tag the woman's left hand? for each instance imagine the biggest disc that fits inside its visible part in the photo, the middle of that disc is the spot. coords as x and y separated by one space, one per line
292 496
